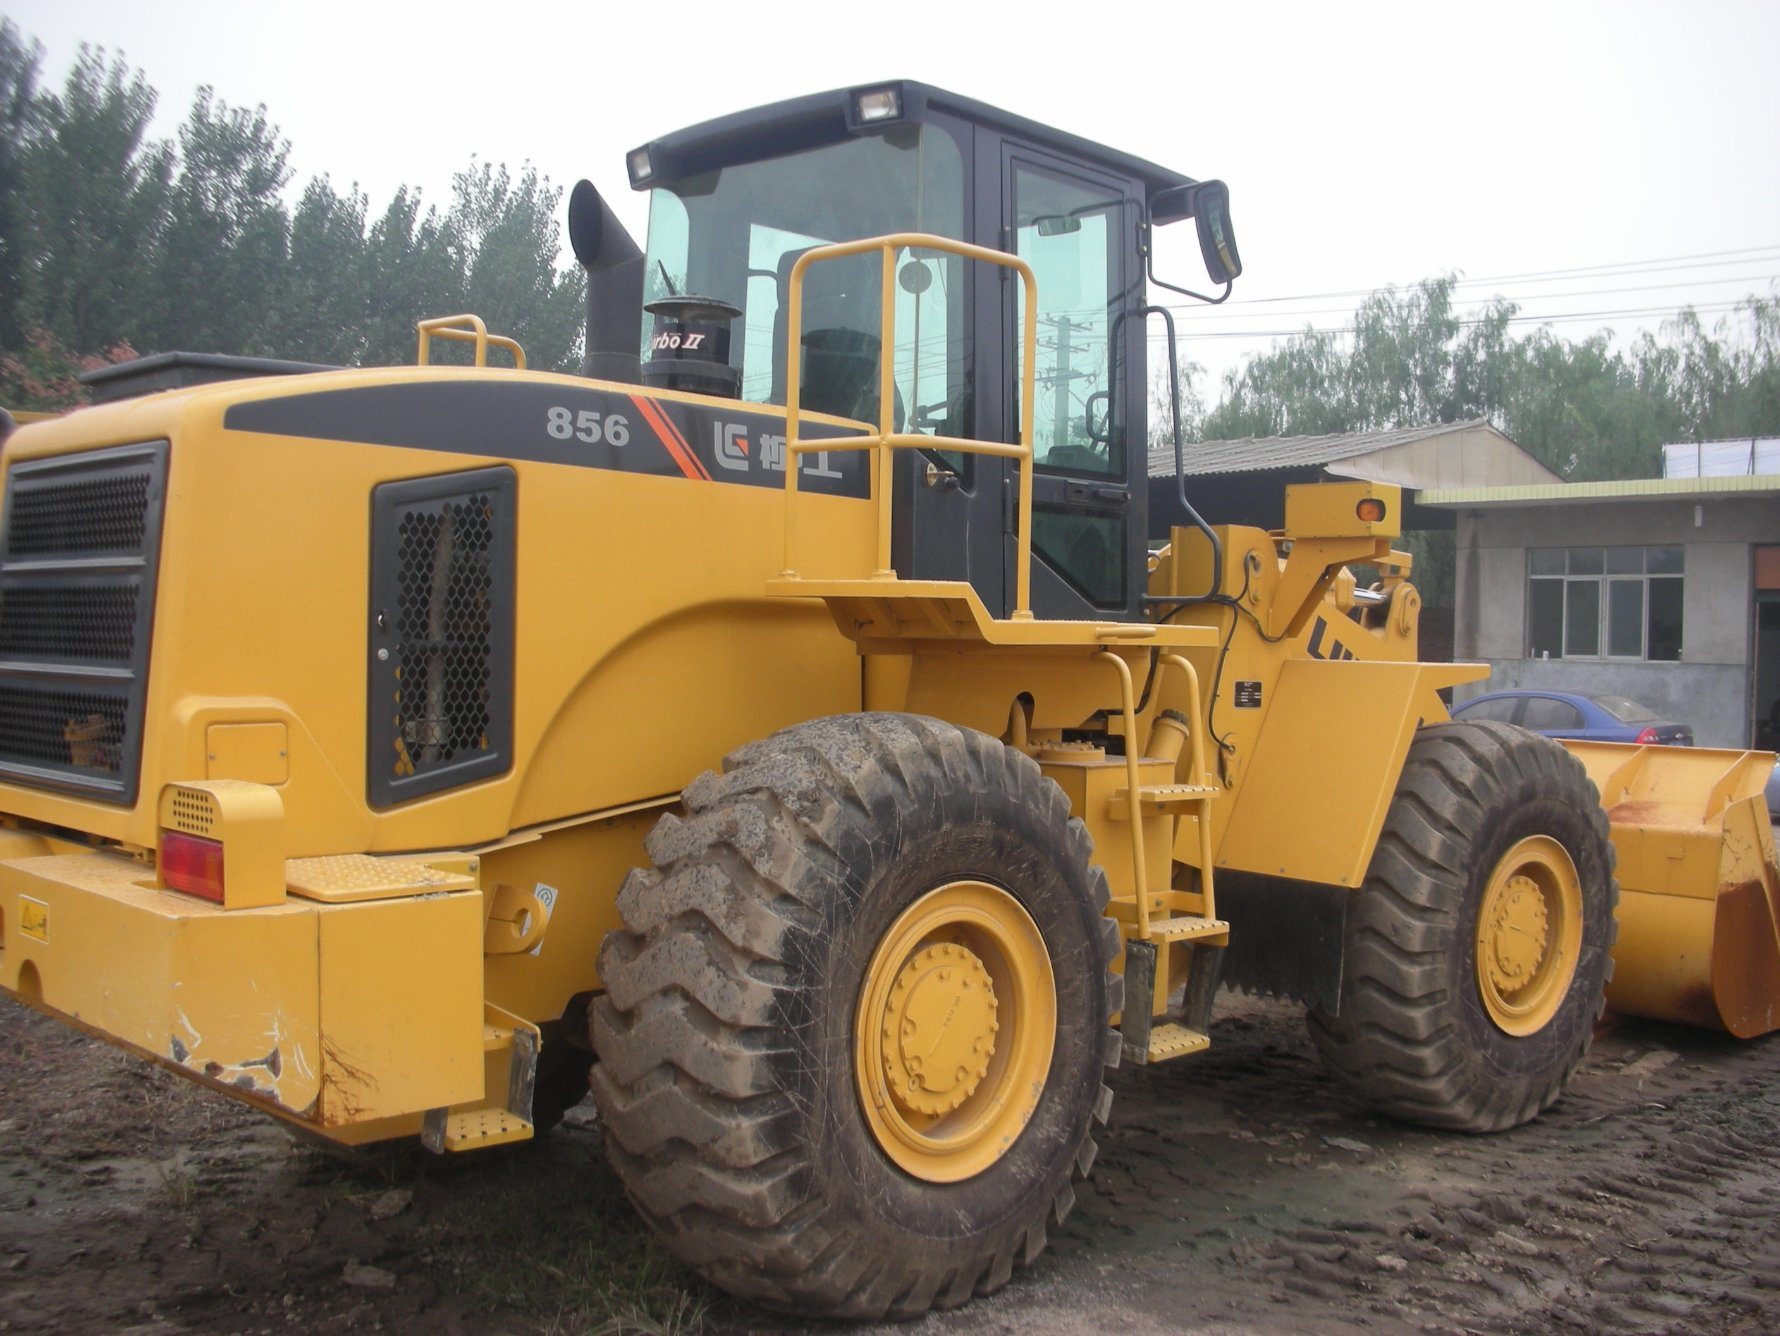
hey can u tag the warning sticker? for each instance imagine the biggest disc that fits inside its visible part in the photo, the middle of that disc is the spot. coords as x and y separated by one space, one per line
33 918
1248 695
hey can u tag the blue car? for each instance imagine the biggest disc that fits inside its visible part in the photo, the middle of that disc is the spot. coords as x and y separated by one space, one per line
1559 714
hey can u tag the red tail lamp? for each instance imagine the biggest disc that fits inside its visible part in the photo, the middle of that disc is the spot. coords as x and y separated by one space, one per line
192 865
1370 509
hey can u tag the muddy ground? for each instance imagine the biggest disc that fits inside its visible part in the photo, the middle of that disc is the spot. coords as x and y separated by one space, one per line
1235 1191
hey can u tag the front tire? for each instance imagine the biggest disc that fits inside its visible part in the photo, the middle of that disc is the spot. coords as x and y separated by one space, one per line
854 1033
1477 949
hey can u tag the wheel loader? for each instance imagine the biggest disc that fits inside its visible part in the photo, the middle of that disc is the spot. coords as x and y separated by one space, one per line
788 728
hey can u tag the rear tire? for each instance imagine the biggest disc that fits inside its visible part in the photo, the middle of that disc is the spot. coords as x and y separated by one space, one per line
1477 948
813 905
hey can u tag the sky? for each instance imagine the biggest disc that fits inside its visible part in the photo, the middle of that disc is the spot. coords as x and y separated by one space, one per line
1602 163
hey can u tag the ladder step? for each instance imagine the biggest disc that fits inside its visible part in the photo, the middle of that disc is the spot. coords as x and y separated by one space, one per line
1160 798
484 1127
1169 1040
1187 928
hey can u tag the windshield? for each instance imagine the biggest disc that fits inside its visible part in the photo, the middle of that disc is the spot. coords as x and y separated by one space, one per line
733 235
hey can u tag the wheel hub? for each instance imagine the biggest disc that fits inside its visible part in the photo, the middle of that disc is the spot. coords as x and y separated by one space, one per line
1529 935
1518 933
954 1032
939 1029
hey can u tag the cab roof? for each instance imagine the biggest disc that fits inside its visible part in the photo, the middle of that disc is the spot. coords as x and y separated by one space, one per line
801 123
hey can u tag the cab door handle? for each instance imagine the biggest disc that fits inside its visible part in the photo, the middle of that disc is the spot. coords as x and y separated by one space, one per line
1083 493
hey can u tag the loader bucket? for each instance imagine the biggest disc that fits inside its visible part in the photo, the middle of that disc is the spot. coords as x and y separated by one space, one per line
1699 884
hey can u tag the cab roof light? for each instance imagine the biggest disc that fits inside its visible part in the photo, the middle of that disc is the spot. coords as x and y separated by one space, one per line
641 165
192 865
874 106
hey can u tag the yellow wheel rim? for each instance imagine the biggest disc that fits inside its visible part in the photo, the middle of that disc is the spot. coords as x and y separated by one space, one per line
956 1025
1529 935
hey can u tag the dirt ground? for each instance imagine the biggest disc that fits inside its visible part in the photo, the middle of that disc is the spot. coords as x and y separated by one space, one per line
1236 1191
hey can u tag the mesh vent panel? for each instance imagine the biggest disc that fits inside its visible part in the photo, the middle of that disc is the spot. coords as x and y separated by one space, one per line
83 625
445 624
62 729
79 546
81 516
442 627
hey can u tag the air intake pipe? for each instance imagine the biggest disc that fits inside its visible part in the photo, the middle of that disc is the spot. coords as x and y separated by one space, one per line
614 268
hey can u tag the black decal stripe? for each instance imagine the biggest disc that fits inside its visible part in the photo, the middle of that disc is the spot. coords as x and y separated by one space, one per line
511 420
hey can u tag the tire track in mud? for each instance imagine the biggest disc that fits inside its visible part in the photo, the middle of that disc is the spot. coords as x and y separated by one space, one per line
1237 1191
1242 1191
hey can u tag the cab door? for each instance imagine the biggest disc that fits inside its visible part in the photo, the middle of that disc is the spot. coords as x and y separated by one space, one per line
1077 227
957 374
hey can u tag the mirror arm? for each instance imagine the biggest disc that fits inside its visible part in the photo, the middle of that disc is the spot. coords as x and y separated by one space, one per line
1149 269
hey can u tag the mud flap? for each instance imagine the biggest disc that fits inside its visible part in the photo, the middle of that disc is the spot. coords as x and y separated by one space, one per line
1140 983
1287 938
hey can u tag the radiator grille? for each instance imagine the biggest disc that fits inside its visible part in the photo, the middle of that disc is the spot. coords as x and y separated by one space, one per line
46 727
442 632
81 516
79 543
87 624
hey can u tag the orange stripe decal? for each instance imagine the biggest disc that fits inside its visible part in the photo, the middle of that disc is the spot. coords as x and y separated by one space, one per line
670 437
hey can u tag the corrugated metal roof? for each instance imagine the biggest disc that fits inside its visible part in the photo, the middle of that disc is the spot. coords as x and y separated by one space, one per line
1629 489
1252 454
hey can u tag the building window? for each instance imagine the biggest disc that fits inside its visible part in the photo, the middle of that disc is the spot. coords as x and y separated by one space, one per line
1604 603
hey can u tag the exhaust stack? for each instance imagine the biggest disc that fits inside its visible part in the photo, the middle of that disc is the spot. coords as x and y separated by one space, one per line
614 266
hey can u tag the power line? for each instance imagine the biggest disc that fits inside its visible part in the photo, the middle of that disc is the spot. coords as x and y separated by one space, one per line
1220 312
1563 318
1707 259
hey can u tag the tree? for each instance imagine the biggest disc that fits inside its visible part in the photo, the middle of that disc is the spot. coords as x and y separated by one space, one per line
1192 405
415 263
41 375
95 194
327 292
1408 362
221 270
511 240
106 236
18 125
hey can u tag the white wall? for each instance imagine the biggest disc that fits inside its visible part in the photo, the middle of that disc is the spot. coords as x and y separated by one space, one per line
1709 688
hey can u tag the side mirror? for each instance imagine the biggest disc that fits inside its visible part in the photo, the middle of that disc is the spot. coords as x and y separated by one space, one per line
1217 236
1208 203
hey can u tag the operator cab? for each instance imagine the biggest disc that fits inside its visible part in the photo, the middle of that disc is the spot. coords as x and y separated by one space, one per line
736 201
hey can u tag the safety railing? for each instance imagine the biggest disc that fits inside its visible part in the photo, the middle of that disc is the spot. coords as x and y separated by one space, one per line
888 439
467 329
1198 781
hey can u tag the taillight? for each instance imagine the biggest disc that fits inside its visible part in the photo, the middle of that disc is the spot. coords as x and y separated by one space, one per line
1647 736
192 865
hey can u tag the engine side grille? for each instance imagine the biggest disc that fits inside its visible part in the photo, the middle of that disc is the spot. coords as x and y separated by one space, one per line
441 679
80 540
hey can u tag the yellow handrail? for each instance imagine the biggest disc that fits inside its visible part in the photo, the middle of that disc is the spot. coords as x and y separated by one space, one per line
1133 791
887 438
1199 777
467 329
